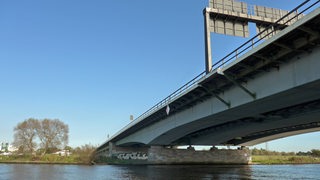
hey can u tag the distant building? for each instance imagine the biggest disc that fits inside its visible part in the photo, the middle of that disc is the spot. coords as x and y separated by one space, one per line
12 148
6 148
63 153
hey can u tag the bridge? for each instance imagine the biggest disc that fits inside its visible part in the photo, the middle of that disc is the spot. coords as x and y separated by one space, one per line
266 89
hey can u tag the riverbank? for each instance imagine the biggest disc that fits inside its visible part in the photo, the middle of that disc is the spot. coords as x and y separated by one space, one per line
40 162
46 159
278 159
78 160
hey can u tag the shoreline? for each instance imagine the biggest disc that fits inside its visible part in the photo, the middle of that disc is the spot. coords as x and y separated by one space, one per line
306 163
278 159
74 160
41 162
46 159
85 164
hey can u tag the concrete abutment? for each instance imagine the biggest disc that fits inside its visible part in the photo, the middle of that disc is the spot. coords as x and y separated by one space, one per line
163 155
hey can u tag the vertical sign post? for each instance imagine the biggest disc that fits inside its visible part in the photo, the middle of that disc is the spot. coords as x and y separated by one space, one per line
207 38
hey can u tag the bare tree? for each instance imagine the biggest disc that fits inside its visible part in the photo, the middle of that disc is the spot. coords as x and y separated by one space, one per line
86 153
52 134
25 135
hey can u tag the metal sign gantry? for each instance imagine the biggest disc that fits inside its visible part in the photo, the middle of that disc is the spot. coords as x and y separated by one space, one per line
231 17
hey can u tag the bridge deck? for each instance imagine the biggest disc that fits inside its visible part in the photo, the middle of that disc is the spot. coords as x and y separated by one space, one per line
301 37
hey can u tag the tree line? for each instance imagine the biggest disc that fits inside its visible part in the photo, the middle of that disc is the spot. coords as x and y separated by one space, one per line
44 134
313 152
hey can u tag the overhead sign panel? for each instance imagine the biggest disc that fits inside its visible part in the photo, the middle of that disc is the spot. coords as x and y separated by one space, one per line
275 14
229 5
265 31
229 27
224 24
272 15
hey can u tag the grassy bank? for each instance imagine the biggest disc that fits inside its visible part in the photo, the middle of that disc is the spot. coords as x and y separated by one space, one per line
77 159
46 159
278 159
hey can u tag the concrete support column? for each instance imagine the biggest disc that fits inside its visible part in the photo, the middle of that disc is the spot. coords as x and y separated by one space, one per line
110 149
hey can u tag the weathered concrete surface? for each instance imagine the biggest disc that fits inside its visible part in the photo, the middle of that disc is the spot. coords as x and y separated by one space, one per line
162 155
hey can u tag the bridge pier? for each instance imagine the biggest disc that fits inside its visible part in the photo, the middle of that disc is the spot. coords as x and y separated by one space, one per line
164 155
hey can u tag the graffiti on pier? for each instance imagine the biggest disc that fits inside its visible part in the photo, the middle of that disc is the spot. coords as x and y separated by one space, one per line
133 155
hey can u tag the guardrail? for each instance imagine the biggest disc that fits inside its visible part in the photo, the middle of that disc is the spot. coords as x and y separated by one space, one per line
308 4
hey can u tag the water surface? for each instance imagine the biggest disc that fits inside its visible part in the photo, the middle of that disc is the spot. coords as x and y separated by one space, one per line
66 172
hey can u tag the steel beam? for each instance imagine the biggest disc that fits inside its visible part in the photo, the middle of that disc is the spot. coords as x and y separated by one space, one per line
252 94
228 104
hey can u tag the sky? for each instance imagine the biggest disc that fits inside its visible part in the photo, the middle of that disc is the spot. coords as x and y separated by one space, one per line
94 63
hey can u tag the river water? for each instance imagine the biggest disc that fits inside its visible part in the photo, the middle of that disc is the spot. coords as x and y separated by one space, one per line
75 172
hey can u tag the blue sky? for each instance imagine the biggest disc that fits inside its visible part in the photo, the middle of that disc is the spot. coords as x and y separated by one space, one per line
93 63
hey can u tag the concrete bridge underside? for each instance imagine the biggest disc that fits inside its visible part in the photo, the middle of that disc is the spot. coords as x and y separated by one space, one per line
272 91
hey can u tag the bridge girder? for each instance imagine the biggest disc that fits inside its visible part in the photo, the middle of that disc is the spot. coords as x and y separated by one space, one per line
297 43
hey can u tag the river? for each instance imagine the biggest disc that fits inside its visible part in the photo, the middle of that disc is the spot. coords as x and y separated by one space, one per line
66 172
